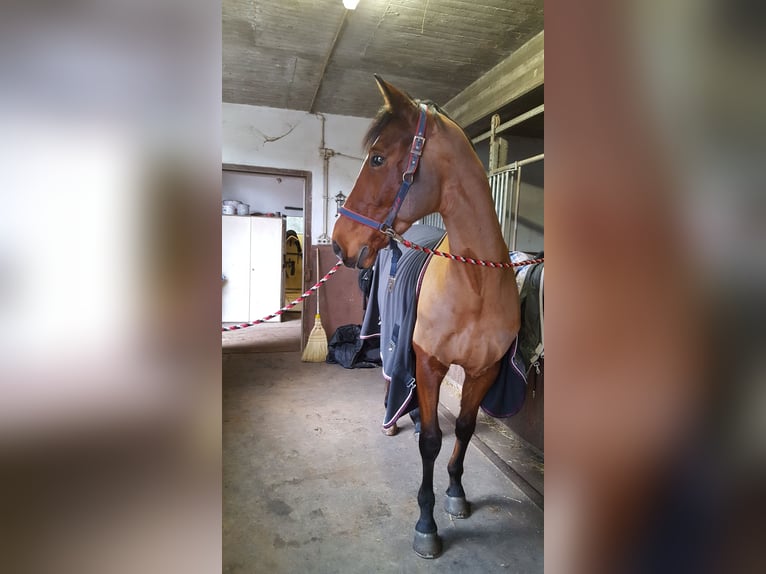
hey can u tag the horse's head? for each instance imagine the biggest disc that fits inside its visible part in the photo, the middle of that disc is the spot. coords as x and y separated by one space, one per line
389 142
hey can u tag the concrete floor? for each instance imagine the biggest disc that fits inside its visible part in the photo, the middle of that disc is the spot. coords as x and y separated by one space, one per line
312 485
265 338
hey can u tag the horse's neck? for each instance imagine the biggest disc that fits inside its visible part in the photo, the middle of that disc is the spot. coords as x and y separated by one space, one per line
470 219
481 301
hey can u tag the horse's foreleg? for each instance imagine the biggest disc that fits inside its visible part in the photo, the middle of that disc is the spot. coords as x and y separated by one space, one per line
474 389
415 416
429 375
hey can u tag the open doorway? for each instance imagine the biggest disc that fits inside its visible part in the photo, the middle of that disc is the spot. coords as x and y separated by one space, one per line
265 231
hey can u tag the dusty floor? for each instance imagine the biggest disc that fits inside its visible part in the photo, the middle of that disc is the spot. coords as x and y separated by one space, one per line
311 484
266 337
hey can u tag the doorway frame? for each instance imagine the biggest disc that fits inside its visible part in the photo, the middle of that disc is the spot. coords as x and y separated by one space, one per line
308 262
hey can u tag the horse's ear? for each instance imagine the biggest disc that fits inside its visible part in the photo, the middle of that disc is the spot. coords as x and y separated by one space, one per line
396 101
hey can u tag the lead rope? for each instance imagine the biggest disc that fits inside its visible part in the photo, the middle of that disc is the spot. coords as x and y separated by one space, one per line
406 243
496 264
289 306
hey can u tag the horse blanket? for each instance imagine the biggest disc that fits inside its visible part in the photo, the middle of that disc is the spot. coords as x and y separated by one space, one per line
390 315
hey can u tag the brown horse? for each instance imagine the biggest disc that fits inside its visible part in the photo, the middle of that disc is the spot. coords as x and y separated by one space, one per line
467 315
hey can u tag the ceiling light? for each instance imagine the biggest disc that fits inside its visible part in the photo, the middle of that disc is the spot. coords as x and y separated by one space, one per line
350 4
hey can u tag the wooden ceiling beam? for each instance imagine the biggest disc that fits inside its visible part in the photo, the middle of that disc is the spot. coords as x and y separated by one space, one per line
519 73
330 51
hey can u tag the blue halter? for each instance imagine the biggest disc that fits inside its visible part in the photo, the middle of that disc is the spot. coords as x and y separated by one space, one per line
416 150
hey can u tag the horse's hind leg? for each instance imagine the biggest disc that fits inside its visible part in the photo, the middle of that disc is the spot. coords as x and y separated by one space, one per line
429 375
474 389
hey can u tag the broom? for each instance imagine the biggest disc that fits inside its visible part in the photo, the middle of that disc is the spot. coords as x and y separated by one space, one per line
316 346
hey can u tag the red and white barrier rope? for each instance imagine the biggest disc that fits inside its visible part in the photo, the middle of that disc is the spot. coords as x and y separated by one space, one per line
289 306
406 243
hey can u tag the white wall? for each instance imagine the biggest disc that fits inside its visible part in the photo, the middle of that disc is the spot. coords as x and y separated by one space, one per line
289 139
264 193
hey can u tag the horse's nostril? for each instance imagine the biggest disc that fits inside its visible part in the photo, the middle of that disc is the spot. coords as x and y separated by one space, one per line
337 250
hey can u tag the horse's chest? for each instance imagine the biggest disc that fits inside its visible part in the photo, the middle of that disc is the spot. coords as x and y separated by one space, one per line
473 336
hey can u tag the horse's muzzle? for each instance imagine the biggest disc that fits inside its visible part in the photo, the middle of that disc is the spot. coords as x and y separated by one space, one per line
337 250
348 261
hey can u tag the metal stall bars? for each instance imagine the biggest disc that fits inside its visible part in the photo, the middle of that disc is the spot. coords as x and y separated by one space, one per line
505 186
504 181
433 219
504 178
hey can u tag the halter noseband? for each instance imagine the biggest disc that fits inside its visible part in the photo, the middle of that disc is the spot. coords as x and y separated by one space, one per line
416 150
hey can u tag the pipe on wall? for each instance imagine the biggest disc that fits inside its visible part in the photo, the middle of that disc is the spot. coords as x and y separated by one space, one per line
510 123
326 154
324 238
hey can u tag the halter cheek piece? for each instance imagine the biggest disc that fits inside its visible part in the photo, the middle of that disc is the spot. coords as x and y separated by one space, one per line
416 150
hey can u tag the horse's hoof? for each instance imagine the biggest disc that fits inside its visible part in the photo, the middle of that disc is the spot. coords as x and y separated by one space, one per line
457 506
427 545
390 431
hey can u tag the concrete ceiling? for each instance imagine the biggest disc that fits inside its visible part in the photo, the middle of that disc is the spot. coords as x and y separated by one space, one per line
315 55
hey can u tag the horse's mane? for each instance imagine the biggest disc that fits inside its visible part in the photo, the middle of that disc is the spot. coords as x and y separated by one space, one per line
381 120
384 115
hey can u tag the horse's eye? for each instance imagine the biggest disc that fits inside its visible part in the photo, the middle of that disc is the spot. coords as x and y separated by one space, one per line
377 160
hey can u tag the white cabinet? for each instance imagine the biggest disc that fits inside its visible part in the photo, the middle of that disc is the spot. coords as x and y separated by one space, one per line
252 250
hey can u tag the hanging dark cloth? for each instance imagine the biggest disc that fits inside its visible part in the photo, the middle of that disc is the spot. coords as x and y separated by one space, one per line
390 317
349 351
